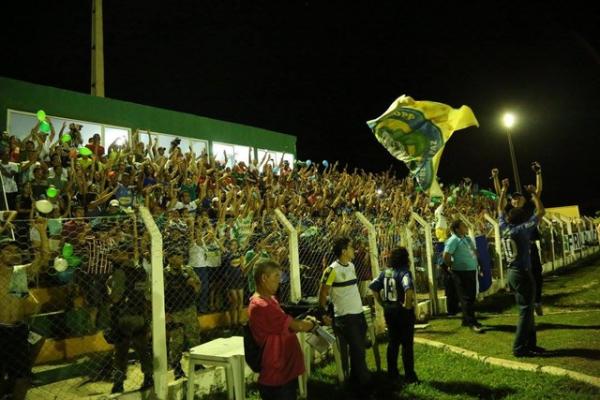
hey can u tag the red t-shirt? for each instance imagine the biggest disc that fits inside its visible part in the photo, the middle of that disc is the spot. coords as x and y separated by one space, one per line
282 358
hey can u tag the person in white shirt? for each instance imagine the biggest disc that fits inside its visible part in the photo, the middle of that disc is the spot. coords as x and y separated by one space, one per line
441 223
339 283
8 173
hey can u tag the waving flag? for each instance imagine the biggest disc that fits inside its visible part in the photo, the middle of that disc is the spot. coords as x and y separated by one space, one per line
415 132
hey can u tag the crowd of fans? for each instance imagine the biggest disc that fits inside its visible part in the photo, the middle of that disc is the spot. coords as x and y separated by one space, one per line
221 213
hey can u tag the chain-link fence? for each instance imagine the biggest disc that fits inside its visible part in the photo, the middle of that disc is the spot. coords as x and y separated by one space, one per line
77 301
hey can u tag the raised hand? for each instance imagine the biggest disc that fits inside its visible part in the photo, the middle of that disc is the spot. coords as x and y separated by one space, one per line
530 188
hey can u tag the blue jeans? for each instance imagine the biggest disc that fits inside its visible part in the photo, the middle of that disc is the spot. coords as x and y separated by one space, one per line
523 284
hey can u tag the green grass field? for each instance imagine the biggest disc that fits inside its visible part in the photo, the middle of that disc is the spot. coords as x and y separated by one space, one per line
569 328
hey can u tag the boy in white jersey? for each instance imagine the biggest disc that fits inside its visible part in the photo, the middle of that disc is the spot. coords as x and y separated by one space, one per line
340 284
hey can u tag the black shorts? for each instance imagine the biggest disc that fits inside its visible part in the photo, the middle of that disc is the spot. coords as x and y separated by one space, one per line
14 351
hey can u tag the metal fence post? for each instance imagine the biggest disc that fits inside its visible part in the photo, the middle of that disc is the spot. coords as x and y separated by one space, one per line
159 343
429 253
374 258
547 221
295 289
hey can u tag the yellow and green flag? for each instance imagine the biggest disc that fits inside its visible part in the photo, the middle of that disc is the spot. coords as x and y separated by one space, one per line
415 132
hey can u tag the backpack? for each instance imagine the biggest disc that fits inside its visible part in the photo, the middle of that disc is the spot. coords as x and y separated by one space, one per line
252 351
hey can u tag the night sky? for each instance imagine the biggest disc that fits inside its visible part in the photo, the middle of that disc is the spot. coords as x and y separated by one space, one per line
319 71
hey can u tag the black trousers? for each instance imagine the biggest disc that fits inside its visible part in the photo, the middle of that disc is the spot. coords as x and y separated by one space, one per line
466 287
401 331
452 304
536 271
283 392
351 330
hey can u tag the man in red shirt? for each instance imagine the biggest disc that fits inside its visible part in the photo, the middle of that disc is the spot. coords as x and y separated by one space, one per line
95 146
274 330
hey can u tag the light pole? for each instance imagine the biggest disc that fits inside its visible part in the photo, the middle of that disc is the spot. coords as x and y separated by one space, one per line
509 121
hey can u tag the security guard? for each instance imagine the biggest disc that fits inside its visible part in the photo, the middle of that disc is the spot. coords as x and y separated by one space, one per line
182 287
393 289
130 313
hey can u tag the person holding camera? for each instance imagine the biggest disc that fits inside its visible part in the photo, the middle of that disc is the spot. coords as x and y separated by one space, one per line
516 229
274 331
394 291
461 261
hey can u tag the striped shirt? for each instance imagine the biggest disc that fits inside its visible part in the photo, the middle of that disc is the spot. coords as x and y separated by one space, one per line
344 289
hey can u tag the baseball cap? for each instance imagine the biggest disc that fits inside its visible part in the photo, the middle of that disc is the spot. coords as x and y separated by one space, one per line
516 194
114 203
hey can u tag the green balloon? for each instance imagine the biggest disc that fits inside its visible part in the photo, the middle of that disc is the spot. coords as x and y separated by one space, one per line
51 192
44 127
65 138
84 151
73 261
41 115
67 250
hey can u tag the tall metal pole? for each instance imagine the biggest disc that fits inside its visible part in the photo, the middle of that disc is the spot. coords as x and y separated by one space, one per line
513 158
97 83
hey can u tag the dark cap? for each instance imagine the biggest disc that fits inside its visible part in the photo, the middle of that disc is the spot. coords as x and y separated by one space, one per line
516 194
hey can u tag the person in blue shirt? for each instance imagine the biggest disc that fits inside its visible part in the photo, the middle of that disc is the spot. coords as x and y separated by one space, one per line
393 289
461 261
516 228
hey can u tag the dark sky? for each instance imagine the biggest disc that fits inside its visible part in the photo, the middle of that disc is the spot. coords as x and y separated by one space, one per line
319 69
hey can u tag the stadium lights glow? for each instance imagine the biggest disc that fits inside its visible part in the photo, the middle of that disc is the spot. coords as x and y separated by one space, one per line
509 120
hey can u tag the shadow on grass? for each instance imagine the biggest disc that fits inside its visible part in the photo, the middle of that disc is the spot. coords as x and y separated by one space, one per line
381 388
472 389
590 354
543 326
500 328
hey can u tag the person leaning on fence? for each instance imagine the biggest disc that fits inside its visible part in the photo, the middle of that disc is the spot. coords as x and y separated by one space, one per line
130 316
274 331
460 260
340 283
393 289
14 331
181 290
516 229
